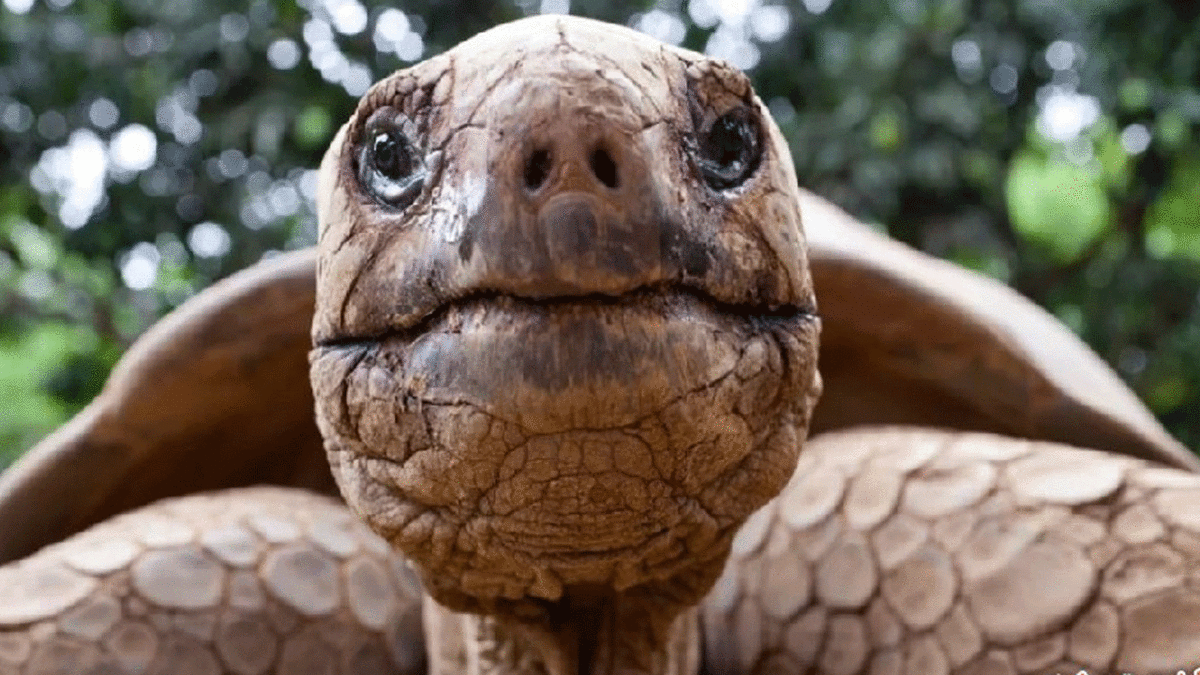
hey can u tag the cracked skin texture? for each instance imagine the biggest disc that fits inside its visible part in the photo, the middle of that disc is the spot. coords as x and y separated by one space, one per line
584 384
567 424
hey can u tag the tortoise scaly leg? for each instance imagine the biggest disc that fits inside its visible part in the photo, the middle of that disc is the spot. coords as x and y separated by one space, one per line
907 550
246 581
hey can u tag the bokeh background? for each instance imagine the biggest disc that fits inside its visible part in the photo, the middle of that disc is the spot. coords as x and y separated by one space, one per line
149 147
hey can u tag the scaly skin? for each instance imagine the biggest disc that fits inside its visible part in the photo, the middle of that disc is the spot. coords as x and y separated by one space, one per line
905 550
254 580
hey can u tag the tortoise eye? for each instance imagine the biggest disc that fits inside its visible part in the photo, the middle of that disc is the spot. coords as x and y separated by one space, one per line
730 150
392 156
389 166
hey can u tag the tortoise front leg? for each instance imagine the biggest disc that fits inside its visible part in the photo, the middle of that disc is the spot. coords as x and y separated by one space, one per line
248 581
921 551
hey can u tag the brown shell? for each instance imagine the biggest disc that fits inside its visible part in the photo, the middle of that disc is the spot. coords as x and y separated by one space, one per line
910 339
217 394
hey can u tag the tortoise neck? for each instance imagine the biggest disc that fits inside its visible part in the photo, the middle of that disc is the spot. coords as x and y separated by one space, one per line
603 635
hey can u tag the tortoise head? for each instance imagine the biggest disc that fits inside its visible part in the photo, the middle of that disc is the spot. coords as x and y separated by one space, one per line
565 332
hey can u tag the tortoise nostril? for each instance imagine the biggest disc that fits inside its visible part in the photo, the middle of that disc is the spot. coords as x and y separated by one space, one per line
604 167
537 168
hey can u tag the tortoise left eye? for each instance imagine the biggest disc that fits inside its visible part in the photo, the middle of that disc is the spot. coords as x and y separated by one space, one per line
729 151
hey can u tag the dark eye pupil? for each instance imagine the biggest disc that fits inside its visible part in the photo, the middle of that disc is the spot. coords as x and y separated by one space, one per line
390 166
730 150
391 155
728 141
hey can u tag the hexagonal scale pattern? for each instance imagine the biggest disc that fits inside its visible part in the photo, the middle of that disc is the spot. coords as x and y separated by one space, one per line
251 581
985 555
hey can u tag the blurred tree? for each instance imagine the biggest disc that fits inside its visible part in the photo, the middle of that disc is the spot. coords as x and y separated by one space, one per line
150 147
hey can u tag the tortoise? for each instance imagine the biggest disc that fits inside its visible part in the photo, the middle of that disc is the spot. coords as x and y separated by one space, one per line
561 332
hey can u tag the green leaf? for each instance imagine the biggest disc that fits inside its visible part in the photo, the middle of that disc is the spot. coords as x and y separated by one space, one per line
30 411
1173 220
36 247
887 131
1134 94
312 126
1056 205
1167 392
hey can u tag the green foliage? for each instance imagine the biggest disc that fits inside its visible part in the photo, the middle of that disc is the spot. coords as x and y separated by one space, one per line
1173 221
151 147
1056 204
46 373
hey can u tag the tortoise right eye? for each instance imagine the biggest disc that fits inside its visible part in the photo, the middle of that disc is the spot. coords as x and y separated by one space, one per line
389 166
392 156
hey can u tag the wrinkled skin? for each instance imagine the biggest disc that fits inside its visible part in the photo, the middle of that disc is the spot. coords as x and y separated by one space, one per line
562 371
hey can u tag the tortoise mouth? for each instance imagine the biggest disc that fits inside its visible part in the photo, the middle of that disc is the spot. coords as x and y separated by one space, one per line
588 439
666 298
568 363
